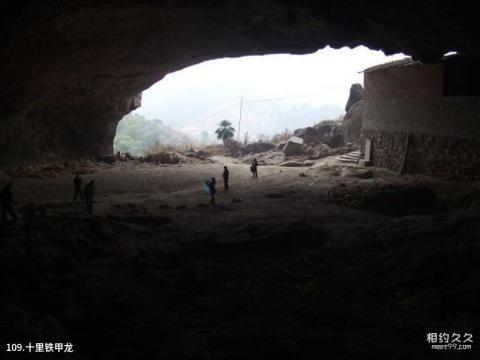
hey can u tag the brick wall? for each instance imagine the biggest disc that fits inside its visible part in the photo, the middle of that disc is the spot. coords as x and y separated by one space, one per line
407 103
443 116
416 81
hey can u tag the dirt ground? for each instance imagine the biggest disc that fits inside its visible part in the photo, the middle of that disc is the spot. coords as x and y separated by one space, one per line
301 263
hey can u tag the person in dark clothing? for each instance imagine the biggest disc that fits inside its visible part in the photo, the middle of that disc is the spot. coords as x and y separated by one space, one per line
77 184
253 168
211 188
7 202
226 174
89 191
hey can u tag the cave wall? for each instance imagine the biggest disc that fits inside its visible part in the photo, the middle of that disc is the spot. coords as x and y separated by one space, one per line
70 69
63 131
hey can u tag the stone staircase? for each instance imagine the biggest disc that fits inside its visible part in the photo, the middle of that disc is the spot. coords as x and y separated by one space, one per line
351 157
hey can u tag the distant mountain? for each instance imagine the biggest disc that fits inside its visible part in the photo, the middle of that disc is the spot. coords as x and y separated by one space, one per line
136 134
267 119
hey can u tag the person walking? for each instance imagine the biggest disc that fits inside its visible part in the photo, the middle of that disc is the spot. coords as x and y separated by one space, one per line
77 185
226 175
6 199
253 168
211 188
89 191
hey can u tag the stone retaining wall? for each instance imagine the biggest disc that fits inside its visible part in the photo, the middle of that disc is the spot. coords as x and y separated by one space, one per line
443 156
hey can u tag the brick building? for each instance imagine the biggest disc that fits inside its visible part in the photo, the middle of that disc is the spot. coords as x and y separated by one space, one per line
424 118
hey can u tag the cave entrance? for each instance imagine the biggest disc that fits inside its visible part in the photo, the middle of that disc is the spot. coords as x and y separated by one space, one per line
262 97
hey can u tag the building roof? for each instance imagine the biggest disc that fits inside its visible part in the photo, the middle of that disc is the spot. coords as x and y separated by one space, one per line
394 64
408 61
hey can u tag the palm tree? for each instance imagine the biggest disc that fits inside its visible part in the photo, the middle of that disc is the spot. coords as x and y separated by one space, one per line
225 130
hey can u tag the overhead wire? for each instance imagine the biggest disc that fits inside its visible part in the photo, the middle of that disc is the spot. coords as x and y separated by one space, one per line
206 117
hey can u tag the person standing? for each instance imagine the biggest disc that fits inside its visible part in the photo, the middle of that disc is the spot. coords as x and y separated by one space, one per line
89 191
211 188
226 175
253 168
6 199
77 184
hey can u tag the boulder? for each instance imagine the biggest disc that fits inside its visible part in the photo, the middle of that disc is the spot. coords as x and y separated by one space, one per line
353 122
356 94
330 133
308 134
294 146
258 147
280 146
326 132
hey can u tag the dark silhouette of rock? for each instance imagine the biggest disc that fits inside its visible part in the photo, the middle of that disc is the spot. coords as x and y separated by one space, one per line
258 147
356 94
326 132
353 122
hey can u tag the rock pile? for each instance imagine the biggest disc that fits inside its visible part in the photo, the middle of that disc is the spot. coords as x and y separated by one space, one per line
257 148
165 157
326 132
197 154
330 137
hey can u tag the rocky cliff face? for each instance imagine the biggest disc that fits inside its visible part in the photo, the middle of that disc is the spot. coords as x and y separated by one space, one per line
353 120
71 69
356 94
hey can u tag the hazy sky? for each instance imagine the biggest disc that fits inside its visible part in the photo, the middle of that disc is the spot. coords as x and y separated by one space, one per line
314 83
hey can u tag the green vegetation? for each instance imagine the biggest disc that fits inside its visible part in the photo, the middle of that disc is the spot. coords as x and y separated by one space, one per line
225 130
137 135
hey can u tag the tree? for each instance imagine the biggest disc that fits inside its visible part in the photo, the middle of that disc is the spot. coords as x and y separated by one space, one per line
137 135
225 130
